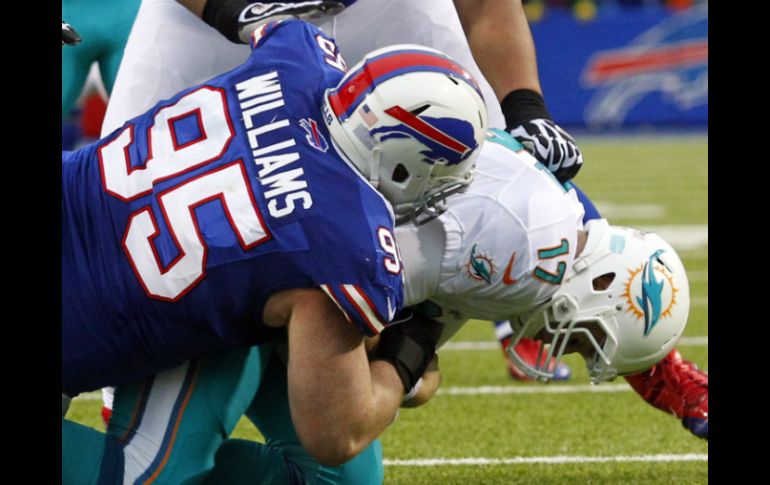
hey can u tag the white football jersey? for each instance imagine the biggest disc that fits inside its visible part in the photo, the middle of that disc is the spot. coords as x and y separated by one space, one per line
503 245
170 49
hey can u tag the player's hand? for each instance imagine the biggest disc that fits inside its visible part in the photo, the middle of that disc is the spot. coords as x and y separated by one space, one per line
68 35
431 380
551 146
258 13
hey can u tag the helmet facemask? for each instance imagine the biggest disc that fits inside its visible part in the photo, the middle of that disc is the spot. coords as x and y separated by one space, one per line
623 304
559 332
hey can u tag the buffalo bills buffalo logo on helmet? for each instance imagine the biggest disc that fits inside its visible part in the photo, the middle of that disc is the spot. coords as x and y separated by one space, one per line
445 139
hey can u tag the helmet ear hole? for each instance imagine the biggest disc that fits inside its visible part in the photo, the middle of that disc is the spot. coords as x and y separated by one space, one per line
400 173
601 283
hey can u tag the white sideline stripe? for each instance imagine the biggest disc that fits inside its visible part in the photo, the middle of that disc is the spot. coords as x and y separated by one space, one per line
682 237
699 276
488 390
472 391
551 460
694 341
637 211
700 301
494 345
540 389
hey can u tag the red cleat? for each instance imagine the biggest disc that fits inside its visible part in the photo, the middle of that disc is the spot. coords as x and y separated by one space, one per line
528 349
675 385
106 414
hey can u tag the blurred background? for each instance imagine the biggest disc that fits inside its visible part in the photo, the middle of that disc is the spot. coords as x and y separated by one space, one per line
606 66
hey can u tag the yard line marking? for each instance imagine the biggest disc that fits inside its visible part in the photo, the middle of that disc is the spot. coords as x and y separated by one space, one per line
682 237
553 460
534 389
495 345
700 301
490 390
694 341
472 391
486 345
699 276
637 211
701 253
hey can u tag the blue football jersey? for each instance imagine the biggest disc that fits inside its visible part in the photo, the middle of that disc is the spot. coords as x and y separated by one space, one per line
178 226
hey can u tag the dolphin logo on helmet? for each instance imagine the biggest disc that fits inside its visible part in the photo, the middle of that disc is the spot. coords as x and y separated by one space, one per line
652 294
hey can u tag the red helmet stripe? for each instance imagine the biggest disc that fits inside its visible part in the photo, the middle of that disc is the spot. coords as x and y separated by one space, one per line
426 129
397 62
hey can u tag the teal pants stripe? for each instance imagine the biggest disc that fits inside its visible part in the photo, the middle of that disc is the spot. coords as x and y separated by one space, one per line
177 424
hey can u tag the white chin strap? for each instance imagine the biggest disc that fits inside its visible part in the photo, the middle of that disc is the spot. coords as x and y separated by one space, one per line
374 167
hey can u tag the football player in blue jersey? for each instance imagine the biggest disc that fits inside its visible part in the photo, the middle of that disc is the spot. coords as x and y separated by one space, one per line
497 221
498 39
507 56
245 208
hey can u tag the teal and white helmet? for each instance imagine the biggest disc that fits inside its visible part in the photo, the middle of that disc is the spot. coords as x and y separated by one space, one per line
623 304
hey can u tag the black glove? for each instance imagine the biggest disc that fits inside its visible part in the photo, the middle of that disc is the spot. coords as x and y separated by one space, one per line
237 19
530 123
409 345
68 34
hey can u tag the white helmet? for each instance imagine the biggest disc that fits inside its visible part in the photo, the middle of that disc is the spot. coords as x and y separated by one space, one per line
623 305
412 121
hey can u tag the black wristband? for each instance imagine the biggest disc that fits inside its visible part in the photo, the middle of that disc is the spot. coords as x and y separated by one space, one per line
523 105
409 347
406 356
223 15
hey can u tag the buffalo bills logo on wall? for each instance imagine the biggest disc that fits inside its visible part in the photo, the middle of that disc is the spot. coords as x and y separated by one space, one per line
665 67
314 136
446 139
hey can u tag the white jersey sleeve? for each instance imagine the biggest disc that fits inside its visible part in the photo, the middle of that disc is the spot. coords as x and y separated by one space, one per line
508 240
421 259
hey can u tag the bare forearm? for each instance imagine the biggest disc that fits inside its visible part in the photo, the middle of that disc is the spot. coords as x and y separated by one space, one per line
501 42
337 420
339 401
194 6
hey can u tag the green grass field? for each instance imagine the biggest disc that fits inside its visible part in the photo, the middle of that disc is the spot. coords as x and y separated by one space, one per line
643 182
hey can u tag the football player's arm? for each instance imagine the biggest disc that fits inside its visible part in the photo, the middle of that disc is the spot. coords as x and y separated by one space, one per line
340 402
501 42
429 384
194 6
